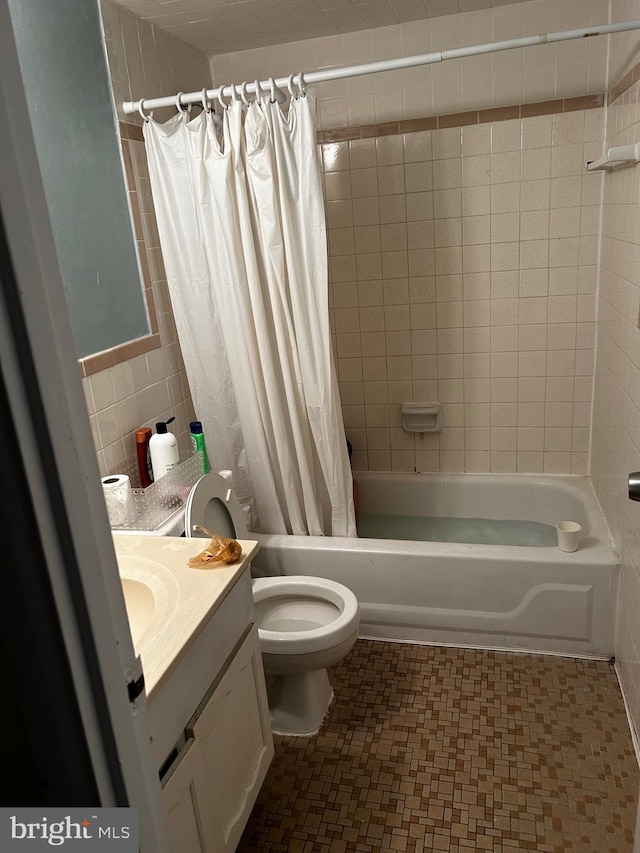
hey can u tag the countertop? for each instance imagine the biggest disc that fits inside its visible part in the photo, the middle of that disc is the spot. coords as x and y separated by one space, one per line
184 598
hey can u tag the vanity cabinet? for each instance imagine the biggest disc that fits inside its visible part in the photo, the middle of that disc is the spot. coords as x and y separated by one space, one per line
206 699
191 825
213 783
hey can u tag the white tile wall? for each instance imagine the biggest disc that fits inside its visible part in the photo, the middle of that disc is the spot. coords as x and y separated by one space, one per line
624 46
538 73
452 279
146 62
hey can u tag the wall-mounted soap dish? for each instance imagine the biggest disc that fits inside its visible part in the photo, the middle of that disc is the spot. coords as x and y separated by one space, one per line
617 157
421 417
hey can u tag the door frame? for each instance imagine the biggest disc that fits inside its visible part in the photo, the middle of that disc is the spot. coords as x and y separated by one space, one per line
47 407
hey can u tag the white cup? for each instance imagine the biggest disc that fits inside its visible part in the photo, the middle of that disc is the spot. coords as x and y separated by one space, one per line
568 535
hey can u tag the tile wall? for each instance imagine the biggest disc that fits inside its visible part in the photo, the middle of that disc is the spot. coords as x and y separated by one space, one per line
463 261
616 413
463 270
152 386
539 73
625 51
146 62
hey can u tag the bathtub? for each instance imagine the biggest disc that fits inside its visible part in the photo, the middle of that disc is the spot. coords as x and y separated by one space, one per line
512 597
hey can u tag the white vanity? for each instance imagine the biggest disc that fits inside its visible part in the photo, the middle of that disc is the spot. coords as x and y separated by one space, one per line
206 699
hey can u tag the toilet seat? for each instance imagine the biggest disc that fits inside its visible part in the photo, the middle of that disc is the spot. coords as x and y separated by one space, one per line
213 504
300 587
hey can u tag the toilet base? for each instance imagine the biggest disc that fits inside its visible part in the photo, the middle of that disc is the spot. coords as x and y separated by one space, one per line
299 703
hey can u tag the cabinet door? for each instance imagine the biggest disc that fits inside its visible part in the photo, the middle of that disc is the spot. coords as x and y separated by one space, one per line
233 733
192 828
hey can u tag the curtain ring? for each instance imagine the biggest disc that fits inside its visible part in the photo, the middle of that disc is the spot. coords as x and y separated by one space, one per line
179 106
272 82
258 90
206 105
145 116
301 84
219 97
290 85
234 94
243 93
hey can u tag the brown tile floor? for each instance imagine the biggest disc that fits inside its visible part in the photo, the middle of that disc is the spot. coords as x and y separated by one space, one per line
431 748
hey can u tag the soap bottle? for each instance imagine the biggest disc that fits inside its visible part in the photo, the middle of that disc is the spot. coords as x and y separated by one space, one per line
143 435
164 450
197 442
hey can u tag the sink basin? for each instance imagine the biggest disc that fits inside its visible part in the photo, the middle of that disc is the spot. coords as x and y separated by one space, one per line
140 603
150 595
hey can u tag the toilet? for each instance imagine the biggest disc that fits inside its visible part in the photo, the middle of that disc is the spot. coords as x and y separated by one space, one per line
305 624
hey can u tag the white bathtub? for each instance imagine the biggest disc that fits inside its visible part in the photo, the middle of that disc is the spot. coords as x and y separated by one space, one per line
486 596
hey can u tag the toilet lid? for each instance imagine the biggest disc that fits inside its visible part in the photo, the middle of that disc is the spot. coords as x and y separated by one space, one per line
213 504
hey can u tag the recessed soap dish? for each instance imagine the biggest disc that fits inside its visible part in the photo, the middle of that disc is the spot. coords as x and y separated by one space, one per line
421 417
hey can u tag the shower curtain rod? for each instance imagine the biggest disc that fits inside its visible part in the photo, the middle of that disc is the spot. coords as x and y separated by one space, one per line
382 65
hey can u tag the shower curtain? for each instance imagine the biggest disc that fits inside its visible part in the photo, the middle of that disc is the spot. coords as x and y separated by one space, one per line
242 230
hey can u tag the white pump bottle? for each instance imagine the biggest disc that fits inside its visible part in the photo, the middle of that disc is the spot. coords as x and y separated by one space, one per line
163 447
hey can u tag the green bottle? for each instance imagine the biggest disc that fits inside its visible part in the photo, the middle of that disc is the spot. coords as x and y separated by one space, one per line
197 440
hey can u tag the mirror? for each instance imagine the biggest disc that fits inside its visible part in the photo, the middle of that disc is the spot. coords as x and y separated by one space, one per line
77 146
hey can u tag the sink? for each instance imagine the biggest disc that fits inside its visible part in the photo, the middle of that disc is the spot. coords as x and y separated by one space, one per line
185 623
150 594
140 603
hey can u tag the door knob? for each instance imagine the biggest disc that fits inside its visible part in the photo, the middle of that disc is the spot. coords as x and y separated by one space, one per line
634 486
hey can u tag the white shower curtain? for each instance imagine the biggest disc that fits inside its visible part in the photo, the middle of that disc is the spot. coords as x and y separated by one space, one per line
243 237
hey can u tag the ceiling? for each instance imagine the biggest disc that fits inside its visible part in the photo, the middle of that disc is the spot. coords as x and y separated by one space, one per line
223 26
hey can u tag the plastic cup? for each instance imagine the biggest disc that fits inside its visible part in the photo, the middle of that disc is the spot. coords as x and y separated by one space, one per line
568 535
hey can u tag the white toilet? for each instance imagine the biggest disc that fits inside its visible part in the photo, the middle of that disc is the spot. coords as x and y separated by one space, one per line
305 624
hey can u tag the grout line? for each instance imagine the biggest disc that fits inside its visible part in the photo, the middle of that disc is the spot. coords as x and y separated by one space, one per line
596 352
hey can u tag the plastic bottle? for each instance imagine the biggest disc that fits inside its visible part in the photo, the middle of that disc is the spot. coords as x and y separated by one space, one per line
164 450
143 436
197 441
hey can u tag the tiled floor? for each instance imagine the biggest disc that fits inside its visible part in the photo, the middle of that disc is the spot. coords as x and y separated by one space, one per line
432 748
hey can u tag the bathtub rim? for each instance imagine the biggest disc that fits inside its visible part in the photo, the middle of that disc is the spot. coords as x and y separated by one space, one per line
595 551
578 486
